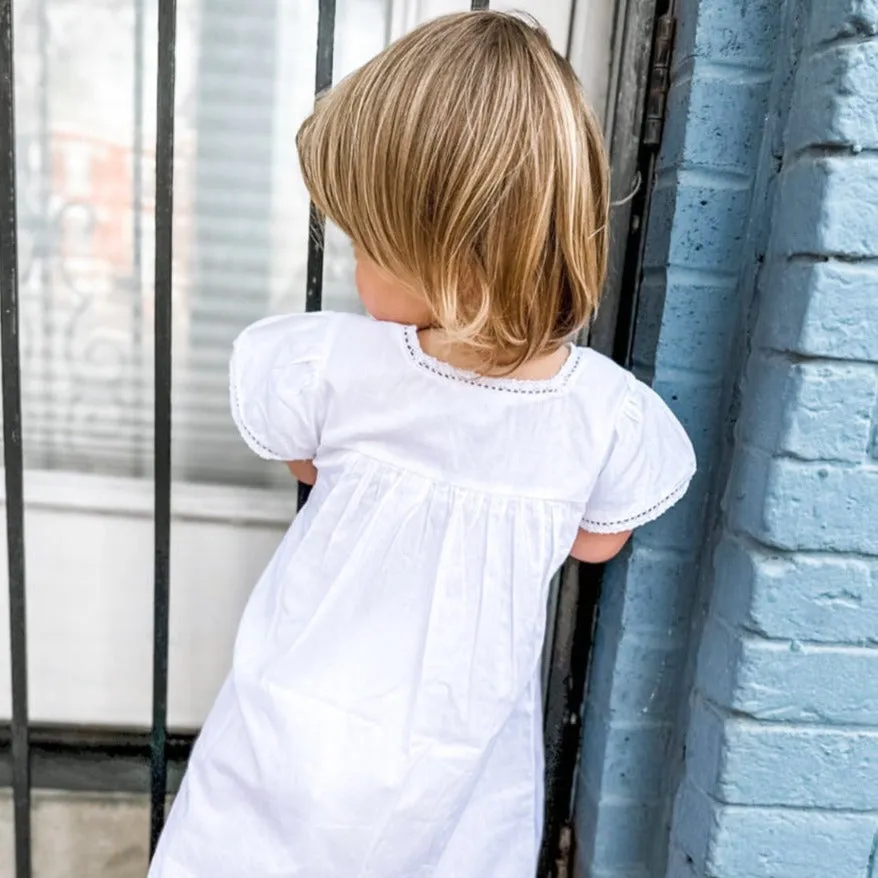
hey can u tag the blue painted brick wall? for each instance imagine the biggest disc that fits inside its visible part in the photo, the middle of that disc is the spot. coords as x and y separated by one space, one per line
685 337
781 775
772 134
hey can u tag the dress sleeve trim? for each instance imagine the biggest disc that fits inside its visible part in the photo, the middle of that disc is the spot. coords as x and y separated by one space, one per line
247 435
621 525
318 330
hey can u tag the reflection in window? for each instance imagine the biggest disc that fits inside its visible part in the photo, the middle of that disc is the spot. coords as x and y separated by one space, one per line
86 131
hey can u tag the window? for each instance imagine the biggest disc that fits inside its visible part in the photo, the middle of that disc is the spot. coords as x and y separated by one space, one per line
85 83
86 129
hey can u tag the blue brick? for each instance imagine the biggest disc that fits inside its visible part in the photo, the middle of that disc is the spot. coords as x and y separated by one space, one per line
804 506
678 529
701 105
705 742
821 309
741 33
842 19
686 322
635 679
617 835
814 411
742 762
836 100
791 843
681 864
653 595
828 206
787 766
796 597
697 403
694 828
697 222
696 400
751 842
615 592
625 760
787 681
642 871
585 822
719 654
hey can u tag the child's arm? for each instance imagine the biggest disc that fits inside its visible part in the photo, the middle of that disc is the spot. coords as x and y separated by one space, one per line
597 548
303 470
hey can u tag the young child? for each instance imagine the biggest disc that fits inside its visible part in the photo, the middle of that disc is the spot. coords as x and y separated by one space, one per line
382 718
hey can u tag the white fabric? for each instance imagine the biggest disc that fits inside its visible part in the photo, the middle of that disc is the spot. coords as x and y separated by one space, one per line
382 717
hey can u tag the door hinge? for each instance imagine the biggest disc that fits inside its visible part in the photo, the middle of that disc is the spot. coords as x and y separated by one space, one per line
565 852
659 80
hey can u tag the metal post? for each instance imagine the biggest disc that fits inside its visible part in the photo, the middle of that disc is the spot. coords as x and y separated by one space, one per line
164 209
317 225
322 81
12 445
479 5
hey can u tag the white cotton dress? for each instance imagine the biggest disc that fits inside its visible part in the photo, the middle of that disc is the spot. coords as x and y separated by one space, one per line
382 718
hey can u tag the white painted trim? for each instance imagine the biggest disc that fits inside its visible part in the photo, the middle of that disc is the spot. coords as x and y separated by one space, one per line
89 560
591 51
403 16
589 33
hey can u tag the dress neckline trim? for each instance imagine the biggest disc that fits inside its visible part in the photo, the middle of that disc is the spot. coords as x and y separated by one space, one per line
524 386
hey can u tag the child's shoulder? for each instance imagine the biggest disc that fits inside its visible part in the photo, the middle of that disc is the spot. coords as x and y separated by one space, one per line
279 381
599 367
318 327
311 336
609 394
601 383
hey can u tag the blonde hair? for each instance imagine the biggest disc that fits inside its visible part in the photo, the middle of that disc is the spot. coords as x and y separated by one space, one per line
465 161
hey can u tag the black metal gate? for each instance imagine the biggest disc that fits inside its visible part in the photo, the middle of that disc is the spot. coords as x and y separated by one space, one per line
570 638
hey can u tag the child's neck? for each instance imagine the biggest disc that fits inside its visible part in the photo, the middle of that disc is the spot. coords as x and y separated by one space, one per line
435 344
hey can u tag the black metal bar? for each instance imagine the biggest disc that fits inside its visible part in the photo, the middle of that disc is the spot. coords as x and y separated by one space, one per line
647 166
316 243
164 210
571 648
479 5
317 227
12 445
316 223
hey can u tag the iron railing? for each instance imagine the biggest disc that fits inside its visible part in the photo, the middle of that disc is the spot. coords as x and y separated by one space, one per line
164 213
12 446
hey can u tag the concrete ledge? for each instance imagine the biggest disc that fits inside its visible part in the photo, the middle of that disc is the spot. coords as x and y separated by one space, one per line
81 836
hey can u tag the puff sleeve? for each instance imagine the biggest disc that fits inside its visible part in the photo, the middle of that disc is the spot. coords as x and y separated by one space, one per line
648 468
277 387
